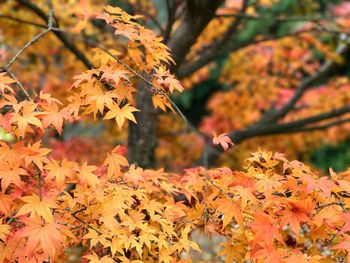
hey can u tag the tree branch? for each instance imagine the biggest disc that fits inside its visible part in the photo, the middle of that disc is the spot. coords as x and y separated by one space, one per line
211 54
274 115
197 15
255 130
60 35
171 19
19 20
281 19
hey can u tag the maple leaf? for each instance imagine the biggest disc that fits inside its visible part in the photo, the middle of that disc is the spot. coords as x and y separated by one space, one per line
223 140
344 245
55 117
95 238
4 83
135 219
120 114
38 233
4 230
99 101
266 251
165 255
230 210
165 79
184 243
299 211
86 175
95 259
346 226
84 77
47 98
114 74
134 175
323 183
35 206
25 113
5 121
10 174
159 101
59 171
5 204
265 228
115 161
37 156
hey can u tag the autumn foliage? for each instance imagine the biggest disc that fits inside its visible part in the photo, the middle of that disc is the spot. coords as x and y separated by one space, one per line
81 195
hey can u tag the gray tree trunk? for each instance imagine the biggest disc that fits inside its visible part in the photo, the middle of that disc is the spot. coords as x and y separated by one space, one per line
142 140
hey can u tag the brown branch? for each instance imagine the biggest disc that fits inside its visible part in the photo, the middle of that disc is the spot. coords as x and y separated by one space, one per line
322 127
60 35
26 94
17 55
274 115
214 50
19 20
171 19
197 16
281 19
289 127
211 54
255 130
27 45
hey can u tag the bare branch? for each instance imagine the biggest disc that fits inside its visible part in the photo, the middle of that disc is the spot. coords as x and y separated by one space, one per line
282 19
19 20
171 19
27 45
70 45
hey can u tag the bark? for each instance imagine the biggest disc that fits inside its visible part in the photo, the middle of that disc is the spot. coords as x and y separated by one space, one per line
142 136
142 139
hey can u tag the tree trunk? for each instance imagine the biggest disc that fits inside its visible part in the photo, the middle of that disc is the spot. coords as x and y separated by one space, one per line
142 139
142 136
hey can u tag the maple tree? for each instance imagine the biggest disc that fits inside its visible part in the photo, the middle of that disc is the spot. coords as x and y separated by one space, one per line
71 66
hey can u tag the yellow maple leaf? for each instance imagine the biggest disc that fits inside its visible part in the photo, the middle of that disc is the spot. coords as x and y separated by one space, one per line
4 81
4 230
184 243
59 171
93 258
25 113
38 207
115 161
87 176
120 114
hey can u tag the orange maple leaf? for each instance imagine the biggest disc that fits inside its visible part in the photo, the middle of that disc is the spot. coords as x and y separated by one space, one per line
47 236
35 206
25 113
230 210
86 175
115 161
10 174
56 117
4 81
59 171
223 140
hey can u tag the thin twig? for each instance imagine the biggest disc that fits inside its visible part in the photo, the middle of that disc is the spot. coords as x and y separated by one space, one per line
19 20
27 45
281 19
